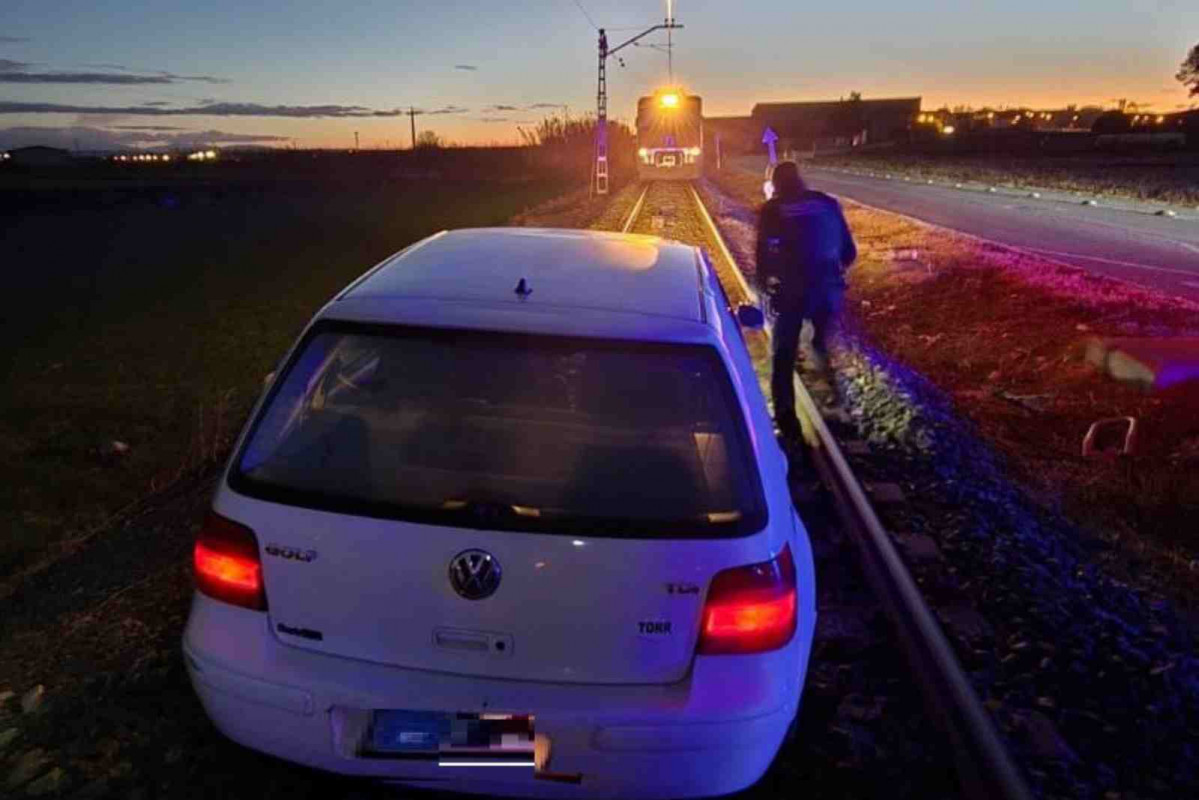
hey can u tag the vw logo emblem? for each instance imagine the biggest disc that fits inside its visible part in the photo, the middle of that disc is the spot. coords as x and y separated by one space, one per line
475 574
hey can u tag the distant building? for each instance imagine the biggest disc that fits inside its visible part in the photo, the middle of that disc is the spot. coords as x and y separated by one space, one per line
838 123
39 156
736 135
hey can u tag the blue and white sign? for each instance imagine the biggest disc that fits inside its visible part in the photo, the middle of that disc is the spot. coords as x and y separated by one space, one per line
769 137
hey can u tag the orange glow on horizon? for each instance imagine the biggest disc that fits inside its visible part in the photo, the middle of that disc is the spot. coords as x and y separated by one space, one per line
395 134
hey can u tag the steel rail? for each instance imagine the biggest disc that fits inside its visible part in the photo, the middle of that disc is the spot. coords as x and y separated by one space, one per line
984 766
628 223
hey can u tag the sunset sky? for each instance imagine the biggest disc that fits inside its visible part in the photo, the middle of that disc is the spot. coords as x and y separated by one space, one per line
155 73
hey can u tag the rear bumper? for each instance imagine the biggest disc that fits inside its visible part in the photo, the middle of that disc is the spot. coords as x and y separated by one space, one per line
713 733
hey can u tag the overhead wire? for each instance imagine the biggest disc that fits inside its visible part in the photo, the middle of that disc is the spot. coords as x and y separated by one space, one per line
579 4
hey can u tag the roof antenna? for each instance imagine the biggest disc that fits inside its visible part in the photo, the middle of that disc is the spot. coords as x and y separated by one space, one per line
522 289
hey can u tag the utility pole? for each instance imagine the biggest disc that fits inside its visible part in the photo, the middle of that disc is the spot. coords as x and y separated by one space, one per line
412 119
599 175
355 141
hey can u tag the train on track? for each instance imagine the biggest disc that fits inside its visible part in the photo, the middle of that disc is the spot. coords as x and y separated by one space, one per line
670 136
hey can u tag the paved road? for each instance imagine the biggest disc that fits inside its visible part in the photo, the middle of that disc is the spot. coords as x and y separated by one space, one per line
1128 241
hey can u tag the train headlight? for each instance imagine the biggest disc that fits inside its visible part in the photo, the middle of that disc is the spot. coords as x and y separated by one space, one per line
693 151
643 152
670 101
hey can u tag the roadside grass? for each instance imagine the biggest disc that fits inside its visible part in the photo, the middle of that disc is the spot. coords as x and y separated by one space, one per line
1005 335
1172 178
165 351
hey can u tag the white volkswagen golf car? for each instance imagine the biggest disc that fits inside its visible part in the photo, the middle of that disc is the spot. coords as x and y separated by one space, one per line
511 519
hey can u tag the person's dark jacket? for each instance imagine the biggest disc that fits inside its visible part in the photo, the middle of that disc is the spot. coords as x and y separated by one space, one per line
804 242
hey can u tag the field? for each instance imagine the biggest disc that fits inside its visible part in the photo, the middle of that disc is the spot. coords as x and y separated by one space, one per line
1172 178
149 312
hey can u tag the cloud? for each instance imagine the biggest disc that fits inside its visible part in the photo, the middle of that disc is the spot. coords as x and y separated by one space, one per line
492 119
97 120
109 78
18 72
450 109
220 137
194 78
536 106
149 128
467 67
13 39
156 103
91 138
501 108
215 110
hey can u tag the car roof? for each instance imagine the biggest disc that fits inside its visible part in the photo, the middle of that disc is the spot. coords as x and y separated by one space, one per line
587 271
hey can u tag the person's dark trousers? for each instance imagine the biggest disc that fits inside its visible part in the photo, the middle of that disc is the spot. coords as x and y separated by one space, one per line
824 316
822 321
787 328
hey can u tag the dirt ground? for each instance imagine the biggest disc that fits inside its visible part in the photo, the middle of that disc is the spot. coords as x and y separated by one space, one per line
580 209
1005 335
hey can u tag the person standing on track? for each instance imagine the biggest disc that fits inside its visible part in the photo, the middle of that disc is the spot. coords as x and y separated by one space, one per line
804 247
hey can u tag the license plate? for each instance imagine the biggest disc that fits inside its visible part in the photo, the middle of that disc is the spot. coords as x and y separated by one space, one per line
453 738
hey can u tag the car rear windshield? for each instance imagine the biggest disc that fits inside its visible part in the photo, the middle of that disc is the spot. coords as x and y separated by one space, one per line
502 431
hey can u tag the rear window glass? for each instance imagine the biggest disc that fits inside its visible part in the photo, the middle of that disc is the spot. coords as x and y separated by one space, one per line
503 431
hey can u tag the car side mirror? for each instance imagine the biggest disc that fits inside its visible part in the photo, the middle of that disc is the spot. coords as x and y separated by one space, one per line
750 316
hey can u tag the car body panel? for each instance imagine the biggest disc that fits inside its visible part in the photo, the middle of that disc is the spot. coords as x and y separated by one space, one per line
714 732
575 269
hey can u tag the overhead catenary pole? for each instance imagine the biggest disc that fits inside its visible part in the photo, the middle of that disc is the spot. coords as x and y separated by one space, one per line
669 49
412 119
599 183
599 174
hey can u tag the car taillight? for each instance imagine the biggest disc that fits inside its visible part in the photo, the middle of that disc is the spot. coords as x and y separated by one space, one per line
750 609
227 564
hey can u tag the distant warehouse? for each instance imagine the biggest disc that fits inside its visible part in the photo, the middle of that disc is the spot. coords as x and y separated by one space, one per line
840 123
820 125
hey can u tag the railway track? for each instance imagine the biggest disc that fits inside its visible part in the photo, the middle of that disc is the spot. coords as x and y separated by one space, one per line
842 513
